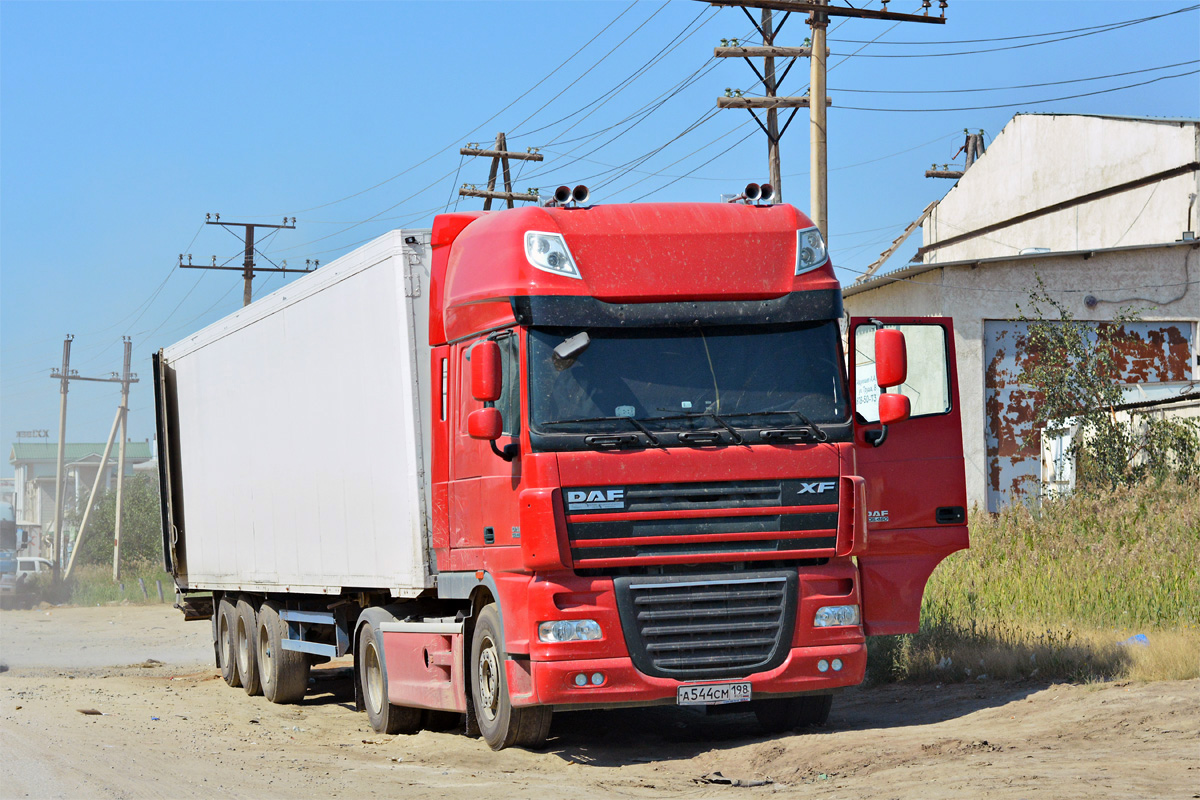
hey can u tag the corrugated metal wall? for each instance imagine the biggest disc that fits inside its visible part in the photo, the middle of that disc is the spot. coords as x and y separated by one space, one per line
1155 352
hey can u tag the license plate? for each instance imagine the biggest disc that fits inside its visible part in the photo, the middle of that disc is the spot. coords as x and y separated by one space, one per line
712 694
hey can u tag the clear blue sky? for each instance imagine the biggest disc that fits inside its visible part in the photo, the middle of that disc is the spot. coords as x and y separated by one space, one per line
122 124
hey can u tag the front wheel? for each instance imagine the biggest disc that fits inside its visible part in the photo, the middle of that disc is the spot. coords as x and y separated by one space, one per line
500 724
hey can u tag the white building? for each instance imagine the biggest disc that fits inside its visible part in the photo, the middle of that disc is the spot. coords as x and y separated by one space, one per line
1104 210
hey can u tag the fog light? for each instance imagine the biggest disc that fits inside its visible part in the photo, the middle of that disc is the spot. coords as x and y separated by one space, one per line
597 678
822 666
833 616
581 679
837 665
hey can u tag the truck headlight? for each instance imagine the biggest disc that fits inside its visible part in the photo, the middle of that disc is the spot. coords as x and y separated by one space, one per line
810 250
548 252
569 630
831 616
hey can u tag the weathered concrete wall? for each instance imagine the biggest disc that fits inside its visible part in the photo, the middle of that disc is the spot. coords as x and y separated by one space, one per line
1160 280
1039 160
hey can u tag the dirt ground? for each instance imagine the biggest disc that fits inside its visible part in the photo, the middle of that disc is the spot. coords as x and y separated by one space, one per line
169 727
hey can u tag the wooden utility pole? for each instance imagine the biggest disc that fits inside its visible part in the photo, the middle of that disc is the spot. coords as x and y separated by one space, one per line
65 376
819 12
248 267
127 378
500 156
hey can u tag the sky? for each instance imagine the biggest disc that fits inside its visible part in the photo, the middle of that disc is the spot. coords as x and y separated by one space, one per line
122 124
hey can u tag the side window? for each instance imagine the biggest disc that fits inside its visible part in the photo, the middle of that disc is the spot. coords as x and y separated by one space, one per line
510 394
928 384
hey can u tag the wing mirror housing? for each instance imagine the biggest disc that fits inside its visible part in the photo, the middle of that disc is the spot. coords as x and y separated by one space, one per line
893 408
485 423
486 379
891 358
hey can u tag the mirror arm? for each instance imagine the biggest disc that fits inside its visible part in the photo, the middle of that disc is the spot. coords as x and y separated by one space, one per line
508 453
876 438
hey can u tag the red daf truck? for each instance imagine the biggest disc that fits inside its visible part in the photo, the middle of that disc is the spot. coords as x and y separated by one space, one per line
562 458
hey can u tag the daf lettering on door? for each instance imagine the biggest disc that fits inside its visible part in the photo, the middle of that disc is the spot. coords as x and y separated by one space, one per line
816 488
595 499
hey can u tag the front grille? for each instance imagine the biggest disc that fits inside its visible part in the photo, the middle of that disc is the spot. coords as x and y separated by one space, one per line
700 496
701 627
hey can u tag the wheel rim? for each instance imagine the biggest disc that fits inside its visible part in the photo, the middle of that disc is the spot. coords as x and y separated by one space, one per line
243 646
489 679
223 635
373 677
266 658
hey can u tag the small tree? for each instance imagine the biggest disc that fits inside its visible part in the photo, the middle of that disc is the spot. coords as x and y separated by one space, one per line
1072 364
141 524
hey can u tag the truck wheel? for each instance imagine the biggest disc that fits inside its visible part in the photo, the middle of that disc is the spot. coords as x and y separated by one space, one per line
245 630
372 676
226 624
500 724
779 716
282 673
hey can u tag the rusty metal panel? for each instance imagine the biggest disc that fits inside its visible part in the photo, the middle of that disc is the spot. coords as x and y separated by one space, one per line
1151 352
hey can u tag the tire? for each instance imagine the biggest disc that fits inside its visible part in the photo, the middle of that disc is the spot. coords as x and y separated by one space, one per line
245 633
283 674
372 676
226 625
500 724
789 713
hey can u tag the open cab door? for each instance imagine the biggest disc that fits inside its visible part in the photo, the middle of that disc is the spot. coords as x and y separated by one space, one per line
913 469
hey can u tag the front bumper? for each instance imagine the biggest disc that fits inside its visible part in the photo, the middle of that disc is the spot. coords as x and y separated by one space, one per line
553 682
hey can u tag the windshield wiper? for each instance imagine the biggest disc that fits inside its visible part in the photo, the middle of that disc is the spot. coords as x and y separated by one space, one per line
737 437
631 420
818 434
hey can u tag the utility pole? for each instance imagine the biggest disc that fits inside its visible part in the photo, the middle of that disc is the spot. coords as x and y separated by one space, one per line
65 376
126 378
500 156
248 268
973 147
819 12
63 388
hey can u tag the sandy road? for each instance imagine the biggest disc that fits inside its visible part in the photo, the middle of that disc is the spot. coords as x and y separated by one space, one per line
173 729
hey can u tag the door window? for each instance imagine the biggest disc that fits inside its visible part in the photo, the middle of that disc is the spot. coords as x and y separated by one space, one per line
928 384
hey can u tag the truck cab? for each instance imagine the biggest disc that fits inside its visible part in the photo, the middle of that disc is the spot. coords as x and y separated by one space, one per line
655 469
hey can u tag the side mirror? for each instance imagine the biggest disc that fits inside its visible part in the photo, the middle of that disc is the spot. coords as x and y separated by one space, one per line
485 423
486 376
893 408
891 358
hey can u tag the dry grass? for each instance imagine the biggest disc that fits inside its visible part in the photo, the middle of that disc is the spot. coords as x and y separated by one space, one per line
1052 593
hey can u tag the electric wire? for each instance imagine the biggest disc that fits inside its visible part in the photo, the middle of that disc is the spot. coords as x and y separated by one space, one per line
1017 86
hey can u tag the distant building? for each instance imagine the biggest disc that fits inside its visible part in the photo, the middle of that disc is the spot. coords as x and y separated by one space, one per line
1104 209
35 465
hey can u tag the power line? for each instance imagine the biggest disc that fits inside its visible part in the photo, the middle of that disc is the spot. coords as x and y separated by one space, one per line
1018 86
1114 27
1025 102
1029 35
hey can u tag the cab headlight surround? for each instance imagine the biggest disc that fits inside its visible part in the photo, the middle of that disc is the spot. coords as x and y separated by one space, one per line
835 616
569 630
810 250
549 253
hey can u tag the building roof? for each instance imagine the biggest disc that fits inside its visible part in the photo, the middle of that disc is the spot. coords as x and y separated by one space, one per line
1124 117
909 272
48 451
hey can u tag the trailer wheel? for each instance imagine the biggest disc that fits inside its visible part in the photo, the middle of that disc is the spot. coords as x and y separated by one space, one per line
779 716
282 673
226 624
245 633
500 724
372 676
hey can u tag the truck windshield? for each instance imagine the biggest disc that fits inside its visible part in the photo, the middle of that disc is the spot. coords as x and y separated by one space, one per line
685 379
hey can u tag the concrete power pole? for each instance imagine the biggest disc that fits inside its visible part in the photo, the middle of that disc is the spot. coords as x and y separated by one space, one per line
248 268
818 149
126 378
63 388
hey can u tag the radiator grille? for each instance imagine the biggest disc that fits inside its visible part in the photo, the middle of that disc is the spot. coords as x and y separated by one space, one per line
700 627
